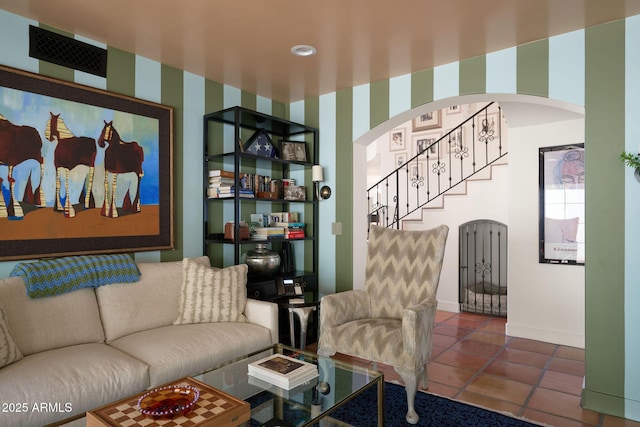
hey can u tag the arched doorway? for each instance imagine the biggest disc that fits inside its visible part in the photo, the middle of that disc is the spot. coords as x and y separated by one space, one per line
532 122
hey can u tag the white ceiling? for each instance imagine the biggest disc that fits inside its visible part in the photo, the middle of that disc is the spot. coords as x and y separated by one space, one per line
247 44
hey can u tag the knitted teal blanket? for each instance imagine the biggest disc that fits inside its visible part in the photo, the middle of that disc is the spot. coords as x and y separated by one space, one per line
60 275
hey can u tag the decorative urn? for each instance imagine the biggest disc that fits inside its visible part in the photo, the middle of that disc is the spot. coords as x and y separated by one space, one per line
262 261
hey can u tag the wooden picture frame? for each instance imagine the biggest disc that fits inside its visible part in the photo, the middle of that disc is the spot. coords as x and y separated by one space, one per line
92 171
294 151
426 121
295 193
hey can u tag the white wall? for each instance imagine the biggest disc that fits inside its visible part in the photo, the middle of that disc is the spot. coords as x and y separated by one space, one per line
545 301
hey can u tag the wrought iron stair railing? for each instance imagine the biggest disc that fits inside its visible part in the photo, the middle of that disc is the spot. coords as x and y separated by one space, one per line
465 150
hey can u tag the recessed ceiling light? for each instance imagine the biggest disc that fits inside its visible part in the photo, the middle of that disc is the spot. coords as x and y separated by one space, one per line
303 50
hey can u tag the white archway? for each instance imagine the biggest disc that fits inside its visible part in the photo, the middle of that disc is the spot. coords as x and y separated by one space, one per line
554 121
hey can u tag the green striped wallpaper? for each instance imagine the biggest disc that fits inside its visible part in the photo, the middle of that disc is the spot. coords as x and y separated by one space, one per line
604 118
344 192
533 66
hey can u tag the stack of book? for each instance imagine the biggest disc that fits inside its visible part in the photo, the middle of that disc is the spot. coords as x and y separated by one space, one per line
283 371
265 233
222 185
292 230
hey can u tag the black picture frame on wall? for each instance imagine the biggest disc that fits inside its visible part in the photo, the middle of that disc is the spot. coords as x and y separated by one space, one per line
59 175
561 217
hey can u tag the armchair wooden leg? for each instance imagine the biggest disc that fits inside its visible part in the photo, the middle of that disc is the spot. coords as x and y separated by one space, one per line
411 379
425 378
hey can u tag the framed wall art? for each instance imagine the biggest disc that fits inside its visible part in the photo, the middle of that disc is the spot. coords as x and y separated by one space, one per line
400 159
424 144
456 141
454 109
416 171
82 170
426 121
397 141
487 127
562 220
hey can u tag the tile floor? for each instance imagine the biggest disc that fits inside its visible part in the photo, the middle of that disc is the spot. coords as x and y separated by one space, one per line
475 362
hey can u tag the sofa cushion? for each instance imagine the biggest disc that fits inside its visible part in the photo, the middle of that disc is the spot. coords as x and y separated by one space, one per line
53 322
9 351
174 352
212 295
152 302
75 379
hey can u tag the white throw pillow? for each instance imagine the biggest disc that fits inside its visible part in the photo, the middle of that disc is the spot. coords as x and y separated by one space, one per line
9 351
211 294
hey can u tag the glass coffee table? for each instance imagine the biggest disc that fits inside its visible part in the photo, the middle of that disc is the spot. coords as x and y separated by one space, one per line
306 405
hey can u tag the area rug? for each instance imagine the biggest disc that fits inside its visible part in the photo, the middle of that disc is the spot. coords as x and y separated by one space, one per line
434 411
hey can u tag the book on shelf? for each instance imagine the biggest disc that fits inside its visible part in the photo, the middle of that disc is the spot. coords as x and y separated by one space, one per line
218 193
262 233
292 230
294 234
231 189
220 173
221 182
291 225
262 184
283 371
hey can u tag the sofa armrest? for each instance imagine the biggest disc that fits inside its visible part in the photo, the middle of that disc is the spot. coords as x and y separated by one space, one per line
417 330
265 314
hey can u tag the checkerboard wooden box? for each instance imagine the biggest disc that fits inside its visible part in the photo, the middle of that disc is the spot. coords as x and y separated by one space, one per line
213 408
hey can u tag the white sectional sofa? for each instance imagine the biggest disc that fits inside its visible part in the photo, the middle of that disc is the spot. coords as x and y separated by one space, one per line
89 347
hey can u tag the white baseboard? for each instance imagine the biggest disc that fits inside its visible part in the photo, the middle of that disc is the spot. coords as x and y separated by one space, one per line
452 307
545 335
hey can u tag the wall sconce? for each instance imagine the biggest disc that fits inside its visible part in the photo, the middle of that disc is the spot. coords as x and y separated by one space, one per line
317 177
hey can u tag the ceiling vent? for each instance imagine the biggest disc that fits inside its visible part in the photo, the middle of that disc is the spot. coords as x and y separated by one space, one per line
58 49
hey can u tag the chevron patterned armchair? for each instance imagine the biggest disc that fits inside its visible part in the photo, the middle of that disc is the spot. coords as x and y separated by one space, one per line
391 320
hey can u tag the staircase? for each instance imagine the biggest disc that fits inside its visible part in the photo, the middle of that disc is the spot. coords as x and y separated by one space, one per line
467 152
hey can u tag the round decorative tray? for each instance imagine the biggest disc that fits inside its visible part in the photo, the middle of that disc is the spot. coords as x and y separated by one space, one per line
169 401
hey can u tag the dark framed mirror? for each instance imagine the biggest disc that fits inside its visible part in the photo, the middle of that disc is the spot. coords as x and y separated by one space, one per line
561 219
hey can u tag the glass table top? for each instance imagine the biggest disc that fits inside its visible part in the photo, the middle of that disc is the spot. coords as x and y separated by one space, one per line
337 384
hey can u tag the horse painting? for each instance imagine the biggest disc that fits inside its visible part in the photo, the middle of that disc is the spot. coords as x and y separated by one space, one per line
120 158
71 151
19 144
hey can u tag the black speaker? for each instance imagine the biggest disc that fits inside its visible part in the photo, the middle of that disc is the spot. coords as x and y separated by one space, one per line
287 261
